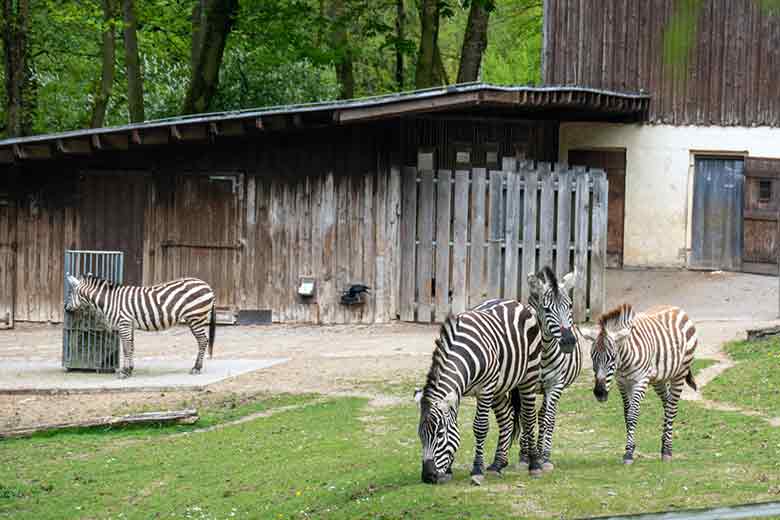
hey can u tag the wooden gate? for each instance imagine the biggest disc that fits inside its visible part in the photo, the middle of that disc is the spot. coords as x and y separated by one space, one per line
195 227
470 235
7 263
761 206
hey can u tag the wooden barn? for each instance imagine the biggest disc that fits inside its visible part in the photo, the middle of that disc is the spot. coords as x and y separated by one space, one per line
434 199
704 167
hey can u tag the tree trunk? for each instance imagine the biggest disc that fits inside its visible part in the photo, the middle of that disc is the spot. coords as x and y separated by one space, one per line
399 33
19 87
474 43
135 84
209 39
429 28
106 84
340 43
439 72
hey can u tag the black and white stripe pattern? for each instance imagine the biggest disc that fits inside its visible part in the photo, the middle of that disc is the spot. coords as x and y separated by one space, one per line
642 349
125 308
485 353
561 352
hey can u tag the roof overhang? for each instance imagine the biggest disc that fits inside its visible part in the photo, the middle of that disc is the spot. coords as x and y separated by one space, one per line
562 103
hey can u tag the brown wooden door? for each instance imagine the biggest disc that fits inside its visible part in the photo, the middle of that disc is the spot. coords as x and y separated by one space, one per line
760 210
202 233
111 217
7 265
614 163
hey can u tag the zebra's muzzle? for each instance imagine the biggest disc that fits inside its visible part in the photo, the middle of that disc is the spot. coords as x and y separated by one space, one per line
430 475
601 392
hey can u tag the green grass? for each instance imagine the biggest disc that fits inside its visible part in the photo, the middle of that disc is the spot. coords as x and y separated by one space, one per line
337 458
754 382
701 364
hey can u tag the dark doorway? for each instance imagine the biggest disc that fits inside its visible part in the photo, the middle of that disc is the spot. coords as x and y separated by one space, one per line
761 205
112 217
717 214
614 163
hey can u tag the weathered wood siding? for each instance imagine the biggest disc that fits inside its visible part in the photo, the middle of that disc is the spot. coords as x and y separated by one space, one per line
251 215
708 62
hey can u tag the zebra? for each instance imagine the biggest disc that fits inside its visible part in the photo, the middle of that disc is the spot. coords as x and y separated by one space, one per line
484 353
561 353
640 349
159 307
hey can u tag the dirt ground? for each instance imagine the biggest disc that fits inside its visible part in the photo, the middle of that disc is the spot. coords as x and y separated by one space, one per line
356 359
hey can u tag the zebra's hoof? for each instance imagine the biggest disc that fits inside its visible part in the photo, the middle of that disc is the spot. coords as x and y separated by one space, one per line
522 464
666 457
535 473
477 480
122 374
195 371
628 461
547 466
494 470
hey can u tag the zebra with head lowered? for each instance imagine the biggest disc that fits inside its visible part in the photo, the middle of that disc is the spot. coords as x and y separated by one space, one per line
641 349
561 360
125 307
485 353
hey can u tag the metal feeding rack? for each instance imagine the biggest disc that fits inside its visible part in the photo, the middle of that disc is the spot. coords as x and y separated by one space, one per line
87 343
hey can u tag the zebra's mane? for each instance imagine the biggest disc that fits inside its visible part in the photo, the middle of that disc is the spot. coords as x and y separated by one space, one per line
439 356
91 278
621 313
552 280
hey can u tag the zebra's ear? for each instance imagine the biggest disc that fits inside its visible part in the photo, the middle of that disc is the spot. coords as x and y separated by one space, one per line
588 336
536 284
450 402
418 395
618 336
568 281
73 281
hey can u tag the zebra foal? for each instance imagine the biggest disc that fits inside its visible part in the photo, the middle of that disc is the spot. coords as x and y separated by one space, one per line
654 348
485 353
124 308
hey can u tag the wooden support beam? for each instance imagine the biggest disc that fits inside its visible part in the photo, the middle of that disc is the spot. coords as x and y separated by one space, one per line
188 133
33 151
76 146
259 123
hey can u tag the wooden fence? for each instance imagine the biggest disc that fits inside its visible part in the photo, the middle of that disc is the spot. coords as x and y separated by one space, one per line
467 236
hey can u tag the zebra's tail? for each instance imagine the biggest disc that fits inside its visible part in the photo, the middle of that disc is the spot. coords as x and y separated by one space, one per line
517 402
689 379
212 329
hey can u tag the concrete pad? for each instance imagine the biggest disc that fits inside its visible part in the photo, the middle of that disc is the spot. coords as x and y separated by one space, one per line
149 375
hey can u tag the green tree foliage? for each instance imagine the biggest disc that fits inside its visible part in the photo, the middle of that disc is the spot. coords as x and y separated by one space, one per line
278 52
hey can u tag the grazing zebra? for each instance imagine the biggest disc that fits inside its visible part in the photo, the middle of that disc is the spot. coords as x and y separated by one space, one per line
561 353
640 349
484 353
125 307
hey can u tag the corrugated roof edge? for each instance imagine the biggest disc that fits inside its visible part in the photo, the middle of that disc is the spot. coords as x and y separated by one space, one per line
384 99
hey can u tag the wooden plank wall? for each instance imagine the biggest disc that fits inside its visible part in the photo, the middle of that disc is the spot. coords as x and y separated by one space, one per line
522 230
7 262
728 76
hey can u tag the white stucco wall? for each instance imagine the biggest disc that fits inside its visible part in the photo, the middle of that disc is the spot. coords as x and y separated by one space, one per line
659 177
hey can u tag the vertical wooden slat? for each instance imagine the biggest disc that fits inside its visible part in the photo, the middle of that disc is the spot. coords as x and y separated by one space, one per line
383 246
460 235
477 228
529 226
326 296
581 243
369 245
393 266
408 248
425 208
546 215
512 233
443 202
496 237
598 292
562 262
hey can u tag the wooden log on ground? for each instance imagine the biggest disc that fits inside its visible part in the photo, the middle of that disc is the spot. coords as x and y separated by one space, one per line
763 333
188 416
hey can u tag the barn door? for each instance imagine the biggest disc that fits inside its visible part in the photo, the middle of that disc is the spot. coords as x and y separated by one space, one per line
762 203
614 163
7 264
717 214
202 235
111 209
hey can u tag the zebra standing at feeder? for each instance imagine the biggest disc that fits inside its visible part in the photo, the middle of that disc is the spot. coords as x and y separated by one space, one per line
155 308
640 349
484 353
561 353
